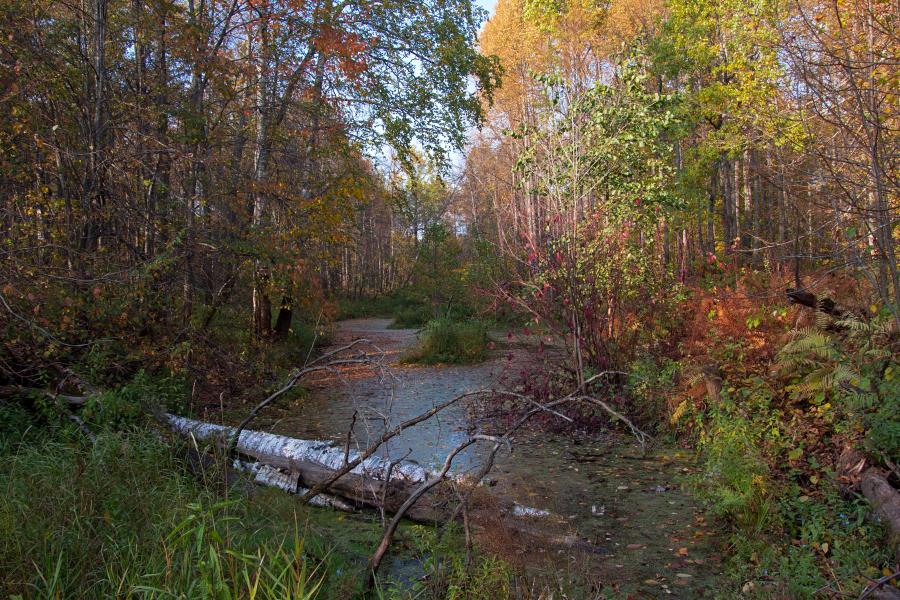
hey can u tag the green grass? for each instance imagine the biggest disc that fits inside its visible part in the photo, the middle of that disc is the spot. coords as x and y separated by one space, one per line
408 308
126 518
447 341
123 518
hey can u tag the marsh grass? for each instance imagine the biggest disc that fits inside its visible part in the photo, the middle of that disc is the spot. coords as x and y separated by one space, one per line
451 342
124 518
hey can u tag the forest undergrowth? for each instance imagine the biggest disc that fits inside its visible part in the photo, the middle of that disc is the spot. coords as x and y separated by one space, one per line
772 397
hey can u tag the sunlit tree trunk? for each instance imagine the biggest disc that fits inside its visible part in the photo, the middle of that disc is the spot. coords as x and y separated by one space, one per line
262 304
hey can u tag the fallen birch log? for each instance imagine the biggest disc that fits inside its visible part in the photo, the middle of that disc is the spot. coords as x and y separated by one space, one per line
286 462
294 465
288 482
853 474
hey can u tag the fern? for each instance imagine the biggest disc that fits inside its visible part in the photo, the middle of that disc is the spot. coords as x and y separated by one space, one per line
813 355
856 369
808 347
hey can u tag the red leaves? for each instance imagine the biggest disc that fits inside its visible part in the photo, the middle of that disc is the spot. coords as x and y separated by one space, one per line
347 47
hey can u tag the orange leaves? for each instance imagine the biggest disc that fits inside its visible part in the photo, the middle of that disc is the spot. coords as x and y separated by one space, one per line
348 47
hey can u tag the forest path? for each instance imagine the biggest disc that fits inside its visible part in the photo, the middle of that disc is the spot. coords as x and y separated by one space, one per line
645 536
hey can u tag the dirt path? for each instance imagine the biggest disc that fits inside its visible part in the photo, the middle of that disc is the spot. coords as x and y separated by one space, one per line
638 532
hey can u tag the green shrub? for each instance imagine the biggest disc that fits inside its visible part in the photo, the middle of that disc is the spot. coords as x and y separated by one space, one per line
738 435
651 381
359 308
408 307
134 401
412 316
447 341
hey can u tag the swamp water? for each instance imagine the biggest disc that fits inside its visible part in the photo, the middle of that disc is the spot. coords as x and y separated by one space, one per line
637 532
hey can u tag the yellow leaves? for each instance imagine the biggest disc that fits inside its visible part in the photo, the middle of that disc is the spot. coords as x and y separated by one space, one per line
627 19
679 412
759 482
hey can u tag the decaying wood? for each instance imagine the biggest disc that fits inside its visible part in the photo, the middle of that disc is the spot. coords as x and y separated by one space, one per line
878 591
312 463
79 422
849 469
290 483
853 475
808 299
885 501
712 377
16 390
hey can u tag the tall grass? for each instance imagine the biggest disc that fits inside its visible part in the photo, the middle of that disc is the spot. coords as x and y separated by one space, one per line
123 518
448 341
408 308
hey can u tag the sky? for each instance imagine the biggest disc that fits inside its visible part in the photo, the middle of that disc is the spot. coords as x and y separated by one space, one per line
457 158
488 5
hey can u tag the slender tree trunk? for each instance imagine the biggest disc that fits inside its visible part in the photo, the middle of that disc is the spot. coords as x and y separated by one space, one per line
262 304
94 189
728 205
711 210
738 240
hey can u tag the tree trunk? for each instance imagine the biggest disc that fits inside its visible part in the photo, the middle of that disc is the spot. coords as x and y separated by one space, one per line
375 483
885 501
94 184
262 304
285 317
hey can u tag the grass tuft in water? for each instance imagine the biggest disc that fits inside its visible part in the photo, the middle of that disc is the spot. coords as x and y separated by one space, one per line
447 341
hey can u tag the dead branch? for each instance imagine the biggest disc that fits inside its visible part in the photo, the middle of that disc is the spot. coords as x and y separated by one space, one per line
81 425
385 543
349 436
15 390
594 378
808 299
387 478
387 435
641 436
872 590
326 362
